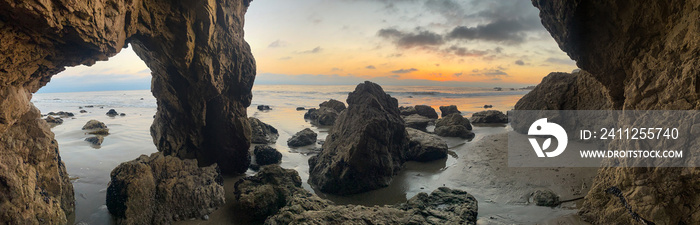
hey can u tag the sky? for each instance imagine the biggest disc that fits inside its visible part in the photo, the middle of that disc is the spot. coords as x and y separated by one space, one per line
391 42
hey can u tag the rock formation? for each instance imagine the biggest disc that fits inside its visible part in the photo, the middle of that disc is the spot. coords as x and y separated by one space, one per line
276 196
365 147
449 109
160 189
489 116
646 55
417 121
266 155
302 138
454 125
202 71
422 110
564 91
425 147
262 133
326 114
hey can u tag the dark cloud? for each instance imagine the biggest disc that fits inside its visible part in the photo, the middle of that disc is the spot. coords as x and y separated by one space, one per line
464 52
410 39
371 67
405 70
502 31
490 72
313 51
519 62
276 44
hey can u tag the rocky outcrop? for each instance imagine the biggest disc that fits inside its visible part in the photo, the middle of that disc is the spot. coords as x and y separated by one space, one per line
544 198
302 138
417 121
426 111
112 113
489 116
454 125
275 195
646 55
425 147
564 91
326 114
365 148
264 107
450 109
159 189
202 71
94 124
266 155
95 140
61 114
54 120
262 133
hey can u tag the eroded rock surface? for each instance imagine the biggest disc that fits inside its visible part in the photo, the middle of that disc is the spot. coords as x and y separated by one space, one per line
263 133
564 91
365 148
326 114
489 116
160 189
454 125
424 146
646 55
449 109
275 195
302 138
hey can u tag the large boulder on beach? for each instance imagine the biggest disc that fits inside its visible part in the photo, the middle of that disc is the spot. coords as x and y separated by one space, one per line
95 140
426 111
266 155
417 121
450 109
94 124
54 120
275 195
489 116
425 147
61 114
365 148
160 189
263 133
567 91
326 114
454 125
112 113
302 138
407 110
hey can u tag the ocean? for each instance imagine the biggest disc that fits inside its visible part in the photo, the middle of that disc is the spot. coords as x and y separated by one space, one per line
89 167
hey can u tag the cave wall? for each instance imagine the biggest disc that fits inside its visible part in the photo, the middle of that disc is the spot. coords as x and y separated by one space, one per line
647 54
203 72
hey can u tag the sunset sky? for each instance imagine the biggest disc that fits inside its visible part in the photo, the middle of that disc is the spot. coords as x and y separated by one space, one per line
401 42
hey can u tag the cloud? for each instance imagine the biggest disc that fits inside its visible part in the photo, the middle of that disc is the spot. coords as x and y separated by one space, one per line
490 72
334 79
371 67
409 40
519 62
405 70
462 51
276 44
501 31
563 61
313 51
457 74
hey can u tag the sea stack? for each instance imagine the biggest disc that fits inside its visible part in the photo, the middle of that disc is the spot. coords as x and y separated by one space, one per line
365 147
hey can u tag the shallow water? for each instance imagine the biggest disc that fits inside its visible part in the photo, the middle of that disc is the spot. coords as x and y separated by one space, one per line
130 137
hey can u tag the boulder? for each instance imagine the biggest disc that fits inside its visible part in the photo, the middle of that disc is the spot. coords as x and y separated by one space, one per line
275 196
425 147
160 189
453 119
95 140
365 147
302 138
407 110
266 155
336 105
417 121
54 120
112 113
564 91
489 116
264 107
99 131
83 111
454 131
122 114
61 114
544 198
426 111
262 133
94 124
326 114
450 109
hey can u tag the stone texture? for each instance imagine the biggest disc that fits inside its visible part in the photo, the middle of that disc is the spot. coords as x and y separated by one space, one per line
326 114
262 133
94 124
417 121
302 138
425 147
112 113
202 71
646 55
275 195
454 125
95 140
159 189
489 116
54 120
266 155
564 91
544 198
449 109
426 111
365 147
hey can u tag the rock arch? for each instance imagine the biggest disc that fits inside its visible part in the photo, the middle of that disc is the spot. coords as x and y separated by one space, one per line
203 72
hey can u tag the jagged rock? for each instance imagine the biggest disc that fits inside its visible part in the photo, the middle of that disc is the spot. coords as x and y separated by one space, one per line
489 116
61 114
425 147
95 140
564 91
426 111
276 196
160 189
266 155
544 198
646 55
302 138
407 110
112 113
264 107
262 133
417 121
365 147
326 114
447 110
54 120
94 124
